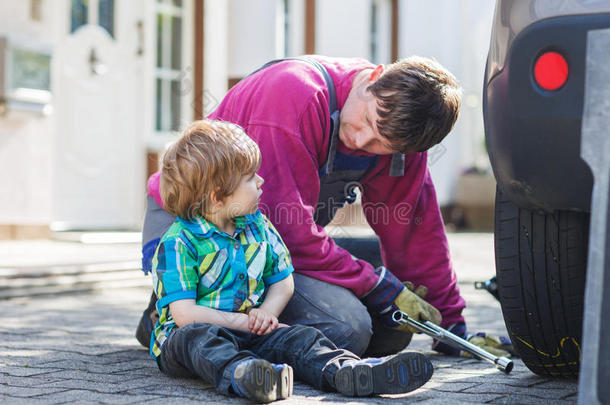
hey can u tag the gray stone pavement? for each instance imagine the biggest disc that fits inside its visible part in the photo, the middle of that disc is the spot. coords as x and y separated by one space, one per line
80 347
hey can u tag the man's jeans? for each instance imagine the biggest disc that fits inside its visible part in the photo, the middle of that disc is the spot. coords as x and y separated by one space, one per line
342 317
211 353
332 309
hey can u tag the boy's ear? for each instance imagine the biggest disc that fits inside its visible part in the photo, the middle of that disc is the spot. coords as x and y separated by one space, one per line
214 197
376 73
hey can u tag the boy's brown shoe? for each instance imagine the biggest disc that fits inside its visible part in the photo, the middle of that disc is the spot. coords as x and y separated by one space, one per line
262 381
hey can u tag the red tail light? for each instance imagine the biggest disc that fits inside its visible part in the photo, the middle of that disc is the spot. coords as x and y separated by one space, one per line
551 71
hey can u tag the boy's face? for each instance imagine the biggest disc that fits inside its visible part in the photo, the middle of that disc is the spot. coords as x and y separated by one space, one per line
358 127
246 197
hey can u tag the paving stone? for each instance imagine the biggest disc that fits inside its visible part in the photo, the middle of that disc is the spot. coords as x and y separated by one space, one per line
450 386
535 393
522 399
27 381
549 384
88 397
86 375
97 386
11 400
105 368
25 371
26 391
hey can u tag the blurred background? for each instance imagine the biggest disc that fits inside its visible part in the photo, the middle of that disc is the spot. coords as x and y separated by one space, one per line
91 91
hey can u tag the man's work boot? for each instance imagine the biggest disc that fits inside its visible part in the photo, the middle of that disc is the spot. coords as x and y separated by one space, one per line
396 374
150 316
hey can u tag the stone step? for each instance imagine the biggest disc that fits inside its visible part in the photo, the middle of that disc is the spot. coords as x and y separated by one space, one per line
64 279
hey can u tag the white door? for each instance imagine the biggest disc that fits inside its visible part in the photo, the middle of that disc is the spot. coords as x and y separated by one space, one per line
99 148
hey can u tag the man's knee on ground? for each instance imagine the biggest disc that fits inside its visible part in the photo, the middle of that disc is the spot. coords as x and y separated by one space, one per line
353 331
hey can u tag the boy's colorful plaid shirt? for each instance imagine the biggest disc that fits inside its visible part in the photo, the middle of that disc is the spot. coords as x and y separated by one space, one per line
195 260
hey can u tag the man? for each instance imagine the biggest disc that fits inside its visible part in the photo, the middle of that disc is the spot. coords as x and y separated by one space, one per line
327 125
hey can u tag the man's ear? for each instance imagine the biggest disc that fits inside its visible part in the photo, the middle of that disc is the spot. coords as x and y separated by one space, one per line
376 73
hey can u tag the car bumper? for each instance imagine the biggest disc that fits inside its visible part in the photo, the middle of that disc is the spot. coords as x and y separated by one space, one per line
533 135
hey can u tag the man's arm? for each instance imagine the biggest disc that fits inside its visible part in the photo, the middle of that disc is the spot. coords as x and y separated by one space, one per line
187 311
404 213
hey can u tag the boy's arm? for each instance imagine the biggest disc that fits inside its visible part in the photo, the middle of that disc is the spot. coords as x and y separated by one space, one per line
186 311
278 296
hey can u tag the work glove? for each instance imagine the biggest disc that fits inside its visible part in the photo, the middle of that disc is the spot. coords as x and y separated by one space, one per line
499 346
389 295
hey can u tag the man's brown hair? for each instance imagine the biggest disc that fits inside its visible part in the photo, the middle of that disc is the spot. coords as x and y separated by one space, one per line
211 156
418 103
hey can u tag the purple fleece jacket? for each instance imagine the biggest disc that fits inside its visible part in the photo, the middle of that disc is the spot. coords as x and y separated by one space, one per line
284 108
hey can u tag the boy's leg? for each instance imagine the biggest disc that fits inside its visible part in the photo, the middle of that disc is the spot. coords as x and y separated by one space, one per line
318 362
314 358
341 317
216 355
205 351
156 222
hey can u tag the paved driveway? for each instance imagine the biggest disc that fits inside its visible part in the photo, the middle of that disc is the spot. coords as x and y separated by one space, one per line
79 347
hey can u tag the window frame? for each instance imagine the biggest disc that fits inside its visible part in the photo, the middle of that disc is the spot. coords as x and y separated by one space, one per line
157 140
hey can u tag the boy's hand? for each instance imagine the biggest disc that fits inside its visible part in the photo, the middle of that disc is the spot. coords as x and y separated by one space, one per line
261 322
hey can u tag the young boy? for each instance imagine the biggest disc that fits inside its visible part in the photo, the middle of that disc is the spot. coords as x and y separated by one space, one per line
222 276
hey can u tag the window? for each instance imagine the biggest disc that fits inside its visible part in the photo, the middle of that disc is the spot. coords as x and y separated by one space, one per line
94 12
291 28
287 25
79 14
36 10
168 65
380 22
106 15
374 32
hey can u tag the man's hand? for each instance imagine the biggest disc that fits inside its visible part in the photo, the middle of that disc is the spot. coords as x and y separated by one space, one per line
389 294
261 322
412 303
500 346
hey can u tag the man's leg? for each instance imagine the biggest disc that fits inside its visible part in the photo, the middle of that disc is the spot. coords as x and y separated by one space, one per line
384 340
156 222
340 315
333 310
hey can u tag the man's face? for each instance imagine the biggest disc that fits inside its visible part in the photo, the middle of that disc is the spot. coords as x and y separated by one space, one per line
358 128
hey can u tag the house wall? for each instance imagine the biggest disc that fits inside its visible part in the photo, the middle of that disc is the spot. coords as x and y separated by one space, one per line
342 28
26 138
254 35
457 35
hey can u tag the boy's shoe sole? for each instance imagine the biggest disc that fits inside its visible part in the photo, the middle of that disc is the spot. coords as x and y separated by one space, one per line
264 382
397 374
146 325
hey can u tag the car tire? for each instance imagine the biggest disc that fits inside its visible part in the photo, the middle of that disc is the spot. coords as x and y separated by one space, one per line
540 266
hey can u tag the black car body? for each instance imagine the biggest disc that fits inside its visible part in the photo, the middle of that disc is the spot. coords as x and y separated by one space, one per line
533 134
533 99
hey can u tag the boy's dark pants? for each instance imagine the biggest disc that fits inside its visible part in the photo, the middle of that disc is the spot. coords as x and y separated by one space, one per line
211 352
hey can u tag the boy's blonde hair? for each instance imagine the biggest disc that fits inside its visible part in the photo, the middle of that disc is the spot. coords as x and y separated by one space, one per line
211 156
